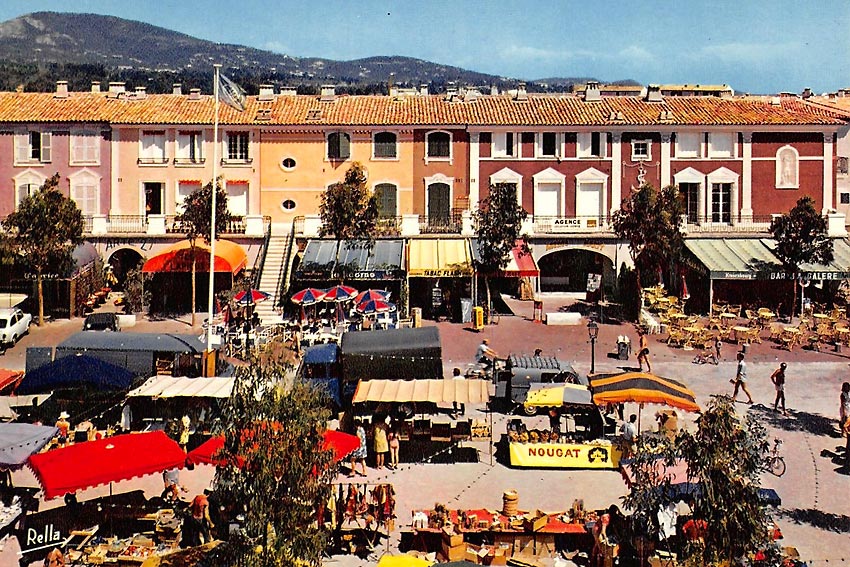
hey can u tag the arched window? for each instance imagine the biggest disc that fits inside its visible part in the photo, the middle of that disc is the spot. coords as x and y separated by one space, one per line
387 199
385 145
439 145
787 168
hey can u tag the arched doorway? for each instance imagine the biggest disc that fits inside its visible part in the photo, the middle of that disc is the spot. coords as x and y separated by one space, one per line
122 261
566 270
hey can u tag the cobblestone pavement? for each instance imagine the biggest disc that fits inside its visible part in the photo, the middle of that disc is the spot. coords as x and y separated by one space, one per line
815 511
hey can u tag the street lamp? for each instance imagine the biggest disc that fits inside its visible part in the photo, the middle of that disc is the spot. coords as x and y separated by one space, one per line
592 333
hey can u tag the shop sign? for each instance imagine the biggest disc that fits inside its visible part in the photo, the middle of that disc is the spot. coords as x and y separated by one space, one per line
594 282
436 297
376 275
443 273
41 538
565 455
565 225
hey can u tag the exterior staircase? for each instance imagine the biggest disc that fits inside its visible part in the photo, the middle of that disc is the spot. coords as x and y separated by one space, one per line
274 277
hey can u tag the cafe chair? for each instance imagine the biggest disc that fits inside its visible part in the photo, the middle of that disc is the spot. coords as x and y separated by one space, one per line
775 332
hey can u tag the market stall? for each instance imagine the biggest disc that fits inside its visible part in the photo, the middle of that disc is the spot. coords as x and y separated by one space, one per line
581 443
164 398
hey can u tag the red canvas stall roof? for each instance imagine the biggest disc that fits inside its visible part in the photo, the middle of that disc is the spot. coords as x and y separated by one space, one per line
93 463
342 443
9 379
229 257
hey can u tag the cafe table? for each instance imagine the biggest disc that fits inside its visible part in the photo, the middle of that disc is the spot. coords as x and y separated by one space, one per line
741 333
727 318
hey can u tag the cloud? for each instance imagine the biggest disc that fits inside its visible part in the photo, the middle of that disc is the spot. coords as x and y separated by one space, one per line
635 55
525 53
276 47
738 52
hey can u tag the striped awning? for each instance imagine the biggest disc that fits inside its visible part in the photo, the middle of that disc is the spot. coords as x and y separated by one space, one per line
439 257
229 257
183 387
641 388
437 391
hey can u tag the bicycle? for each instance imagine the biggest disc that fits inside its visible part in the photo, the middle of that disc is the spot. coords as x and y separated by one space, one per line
774 463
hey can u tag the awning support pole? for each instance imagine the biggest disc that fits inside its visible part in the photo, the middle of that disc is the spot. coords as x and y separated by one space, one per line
710 293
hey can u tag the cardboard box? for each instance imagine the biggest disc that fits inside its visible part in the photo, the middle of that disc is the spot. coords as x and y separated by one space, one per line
450 538
535 522
456 553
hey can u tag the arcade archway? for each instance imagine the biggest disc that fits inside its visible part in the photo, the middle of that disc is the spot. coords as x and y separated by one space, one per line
122 261
566 270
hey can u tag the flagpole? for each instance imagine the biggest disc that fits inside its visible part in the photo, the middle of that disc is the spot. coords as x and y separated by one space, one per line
216 68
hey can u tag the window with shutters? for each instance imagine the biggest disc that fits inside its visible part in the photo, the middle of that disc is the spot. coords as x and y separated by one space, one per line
85 148
190 148
384 146
503 144
688 144
721 145
592 144
32 147
438 146
641 150
339 146
237 149
386 198
547 144
85 192
152 148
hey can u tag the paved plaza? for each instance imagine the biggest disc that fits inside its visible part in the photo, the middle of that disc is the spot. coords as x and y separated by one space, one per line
815 511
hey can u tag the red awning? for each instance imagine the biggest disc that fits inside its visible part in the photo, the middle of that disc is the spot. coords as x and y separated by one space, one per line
9 379
229 257
342 443
521 265
93 463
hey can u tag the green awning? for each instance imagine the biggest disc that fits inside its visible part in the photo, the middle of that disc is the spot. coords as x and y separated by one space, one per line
753 258
734 258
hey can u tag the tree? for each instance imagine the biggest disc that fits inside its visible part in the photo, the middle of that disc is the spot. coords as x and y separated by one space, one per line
498 223
136 296
273 444
349 210
44 231
651 220
801 237
725 455
196 222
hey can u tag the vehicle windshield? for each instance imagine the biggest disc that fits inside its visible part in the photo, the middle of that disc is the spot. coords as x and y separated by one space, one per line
4 323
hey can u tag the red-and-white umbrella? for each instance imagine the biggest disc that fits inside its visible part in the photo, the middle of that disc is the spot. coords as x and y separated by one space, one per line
374 306
340 293
372 294
308 296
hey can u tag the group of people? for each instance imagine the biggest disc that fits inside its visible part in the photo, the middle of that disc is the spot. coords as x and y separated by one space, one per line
385 442
777 378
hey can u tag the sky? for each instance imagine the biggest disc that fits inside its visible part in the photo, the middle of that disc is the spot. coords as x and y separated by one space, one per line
755 46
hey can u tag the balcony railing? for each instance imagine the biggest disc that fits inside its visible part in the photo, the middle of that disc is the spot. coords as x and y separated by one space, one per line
235 226
127 224
751 223
165 224
388 226
570 224
451 224
602 223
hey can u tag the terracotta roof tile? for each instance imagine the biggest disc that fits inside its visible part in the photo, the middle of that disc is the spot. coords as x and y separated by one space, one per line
537 111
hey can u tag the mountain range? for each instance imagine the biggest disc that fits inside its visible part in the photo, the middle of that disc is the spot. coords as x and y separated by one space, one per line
35 49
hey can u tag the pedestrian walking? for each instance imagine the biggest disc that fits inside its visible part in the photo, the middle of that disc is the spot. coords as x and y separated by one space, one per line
630 433
740 380
381 444
643 350
360 453
778 379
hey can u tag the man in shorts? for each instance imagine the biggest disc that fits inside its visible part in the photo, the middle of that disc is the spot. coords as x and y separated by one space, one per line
740 380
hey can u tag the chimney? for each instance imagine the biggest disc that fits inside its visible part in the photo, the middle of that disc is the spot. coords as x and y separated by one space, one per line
61 89
471 95
328 93
653 94
95 86
116 88
393 90
177 89
288 91
494 90
591 92
266 93
521 93
195 94
807 93
141 92
451 90
423 89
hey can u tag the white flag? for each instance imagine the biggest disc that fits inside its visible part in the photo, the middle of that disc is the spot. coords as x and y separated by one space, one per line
230 93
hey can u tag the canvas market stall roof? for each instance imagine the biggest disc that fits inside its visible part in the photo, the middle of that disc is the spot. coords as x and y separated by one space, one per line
467 391
415 353
519 264
183 387
439 257
73 372
385 261
152 342
641 388
20 440
229 257
207 452
94 463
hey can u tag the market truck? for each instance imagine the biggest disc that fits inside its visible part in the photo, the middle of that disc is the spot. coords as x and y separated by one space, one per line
521 374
